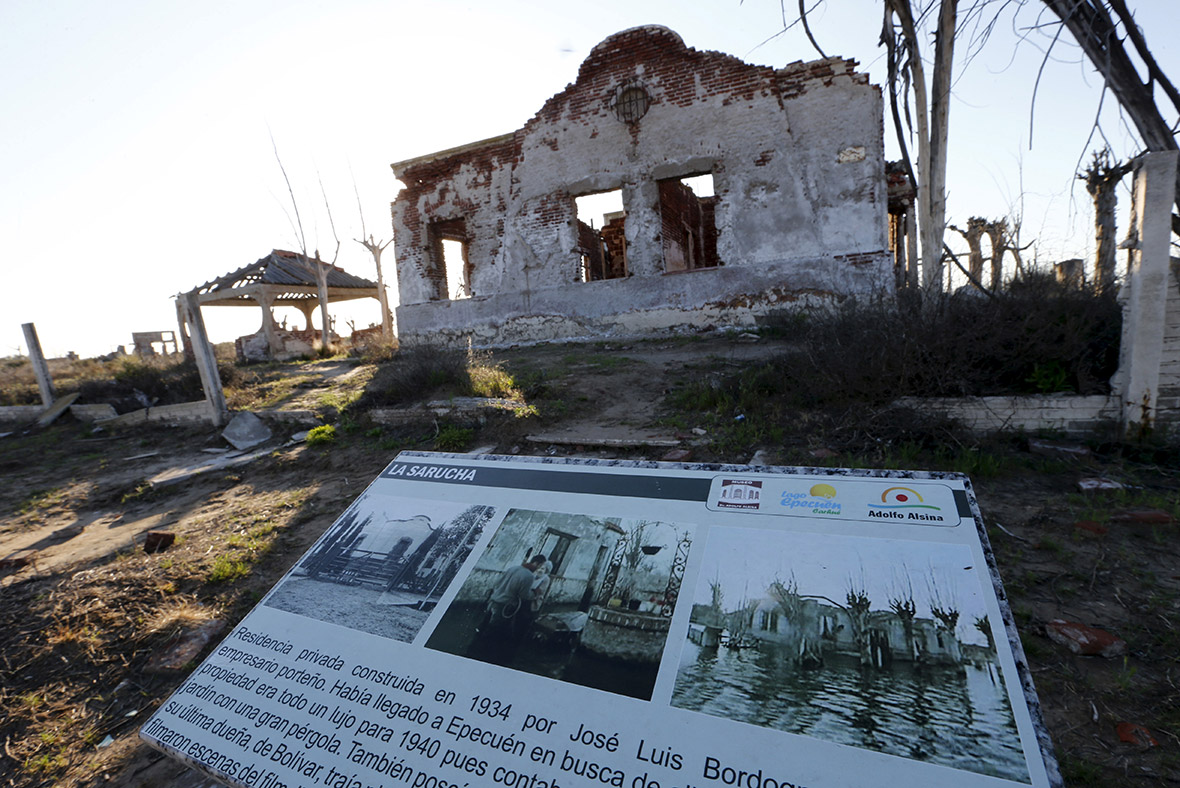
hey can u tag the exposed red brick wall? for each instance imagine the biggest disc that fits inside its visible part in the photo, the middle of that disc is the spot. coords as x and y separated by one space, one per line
615 242
590 244
413 246
688 229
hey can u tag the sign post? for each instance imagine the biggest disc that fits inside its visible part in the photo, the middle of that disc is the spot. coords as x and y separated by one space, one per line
538 623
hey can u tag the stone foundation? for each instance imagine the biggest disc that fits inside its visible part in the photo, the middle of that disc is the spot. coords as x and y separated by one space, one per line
625 635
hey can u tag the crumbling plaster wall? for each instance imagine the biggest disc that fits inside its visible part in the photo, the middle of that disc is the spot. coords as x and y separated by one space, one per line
1168 403
797 161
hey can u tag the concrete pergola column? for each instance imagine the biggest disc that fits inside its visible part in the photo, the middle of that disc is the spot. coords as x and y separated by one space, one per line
206 361
269 330
40 366
308 308
1146 289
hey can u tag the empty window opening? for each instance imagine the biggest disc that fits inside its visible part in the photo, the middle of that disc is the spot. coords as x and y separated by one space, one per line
602 241
554 547
450 268
688 208
455 263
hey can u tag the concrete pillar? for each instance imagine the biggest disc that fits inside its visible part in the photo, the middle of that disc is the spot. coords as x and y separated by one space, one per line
268 326
40 368
307 307
206 361
645 253
1146 290
184 338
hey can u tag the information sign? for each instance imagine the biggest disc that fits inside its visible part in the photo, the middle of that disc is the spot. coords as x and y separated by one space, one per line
537 623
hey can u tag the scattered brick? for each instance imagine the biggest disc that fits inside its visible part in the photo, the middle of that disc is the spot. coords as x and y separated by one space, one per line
824 453
678 455
158 541
1092 527
1131 733
1084 640
1143 516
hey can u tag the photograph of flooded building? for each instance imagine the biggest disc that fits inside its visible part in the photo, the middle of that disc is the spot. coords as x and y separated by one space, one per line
580 598
383 565
874 643
666 187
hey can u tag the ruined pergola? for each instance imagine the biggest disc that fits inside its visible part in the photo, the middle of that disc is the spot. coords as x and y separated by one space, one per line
279 279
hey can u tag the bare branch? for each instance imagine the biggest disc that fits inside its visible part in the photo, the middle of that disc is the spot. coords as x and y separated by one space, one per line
294 204
807 29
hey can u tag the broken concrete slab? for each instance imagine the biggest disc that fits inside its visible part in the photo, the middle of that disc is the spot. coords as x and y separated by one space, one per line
143 456
178 654
397 417
290 416
1047 448
245 431
1099 485
183 473
181 413
620 442
58 407
93 412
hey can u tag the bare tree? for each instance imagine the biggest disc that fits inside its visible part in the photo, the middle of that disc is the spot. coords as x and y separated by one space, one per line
927 108
1099 27
973 235
985 626
315 266
857 597
1101 177
376 248
901 602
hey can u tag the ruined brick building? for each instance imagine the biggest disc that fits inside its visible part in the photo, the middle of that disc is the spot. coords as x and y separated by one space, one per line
490 245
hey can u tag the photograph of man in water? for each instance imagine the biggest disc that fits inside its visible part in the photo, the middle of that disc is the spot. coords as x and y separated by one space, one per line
581 598
508 617
882 644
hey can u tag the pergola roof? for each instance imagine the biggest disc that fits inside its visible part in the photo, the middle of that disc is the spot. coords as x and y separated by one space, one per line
284 280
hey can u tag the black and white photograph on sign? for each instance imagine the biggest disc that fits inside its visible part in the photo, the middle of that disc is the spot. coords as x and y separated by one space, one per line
579 598
874 643
383 565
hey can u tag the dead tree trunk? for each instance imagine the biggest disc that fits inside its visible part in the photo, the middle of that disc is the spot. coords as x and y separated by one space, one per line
1101 179
931 115
376 248
976 227
997 234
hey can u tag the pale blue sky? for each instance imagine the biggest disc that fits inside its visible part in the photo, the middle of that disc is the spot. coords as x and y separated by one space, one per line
136 160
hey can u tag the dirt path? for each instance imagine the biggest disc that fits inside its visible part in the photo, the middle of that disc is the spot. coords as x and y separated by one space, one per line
82 620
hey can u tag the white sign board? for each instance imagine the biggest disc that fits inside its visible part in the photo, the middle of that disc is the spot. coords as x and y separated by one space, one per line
540 623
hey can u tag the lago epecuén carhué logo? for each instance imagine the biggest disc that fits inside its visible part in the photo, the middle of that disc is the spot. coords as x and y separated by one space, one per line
820 499
904 503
